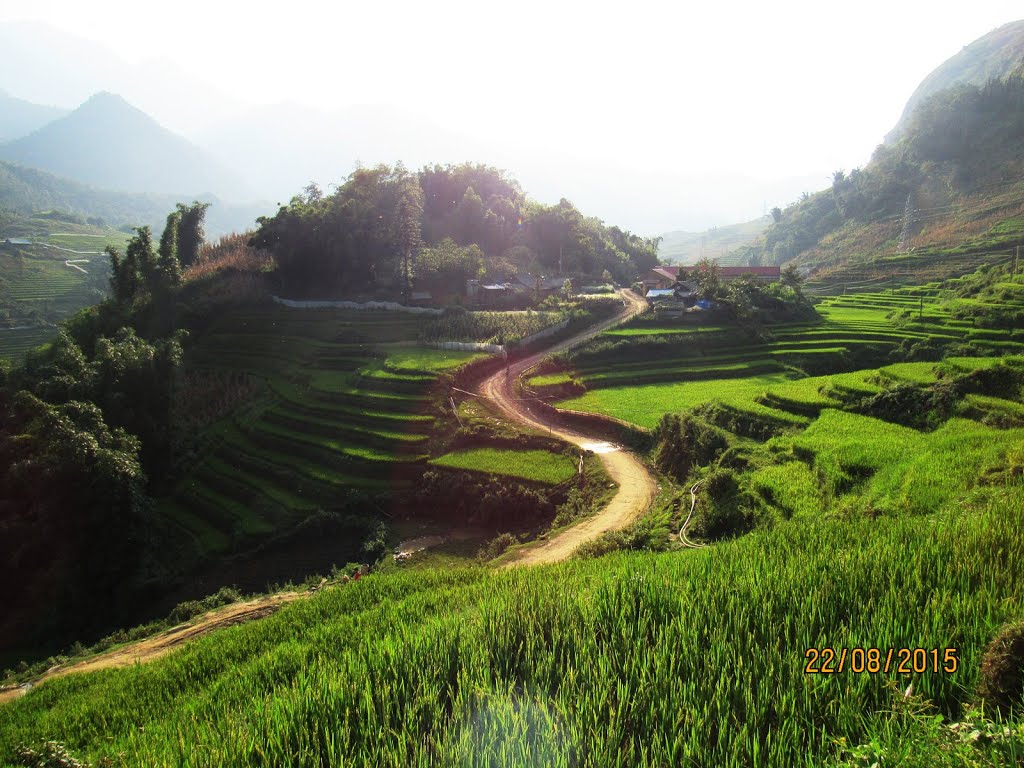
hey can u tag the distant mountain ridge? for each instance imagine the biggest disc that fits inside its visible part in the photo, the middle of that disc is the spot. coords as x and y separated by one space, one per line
19 117
108 143
689 247
27 191
996 56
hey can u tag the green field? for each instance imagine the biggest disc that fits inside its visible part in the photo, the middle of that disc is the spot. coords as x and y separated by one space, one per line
487 327
341 407
643 377
690 658
38 289
536 466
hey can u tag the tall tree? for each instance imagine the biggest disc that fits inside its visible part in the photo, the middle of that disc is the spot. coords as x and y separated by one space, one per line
140 253
408 237
190 231
168 263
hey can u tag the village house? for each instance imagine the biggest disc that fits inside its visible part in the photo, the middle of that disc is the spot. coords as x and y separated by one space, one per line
538 285
659 278
682 293
487 294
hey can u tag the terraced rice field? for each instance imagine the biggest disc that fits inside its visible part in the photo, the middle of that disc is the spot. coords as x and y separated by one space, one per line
38 290
652 373
343 410
536 466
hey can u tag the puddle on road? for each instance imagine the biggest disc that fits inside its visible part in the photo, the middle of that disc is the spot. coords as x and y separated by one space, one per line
600 447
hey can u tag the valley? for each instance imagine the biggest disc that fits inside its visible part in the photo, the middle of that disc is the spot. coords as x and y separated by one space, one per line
418 467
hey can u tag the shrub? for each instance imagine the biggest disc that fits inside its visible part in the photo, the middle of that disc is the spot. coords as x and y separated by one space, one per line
724 507
684 443
497 546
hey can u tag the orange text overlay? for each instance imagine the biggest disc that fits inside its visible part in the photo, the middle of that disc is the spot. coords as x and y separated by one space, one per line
830 661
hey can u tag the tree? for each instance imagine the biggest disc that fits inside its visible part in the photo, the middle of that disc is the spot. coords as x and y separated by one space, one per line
407 235
791 278
190 232
776 214
568 288
168 263
708 276
448 264
140 250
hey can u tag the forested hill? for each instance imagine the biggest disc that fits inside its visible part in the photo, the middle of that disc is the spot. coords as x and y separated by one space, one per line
474 221
996 56
948 192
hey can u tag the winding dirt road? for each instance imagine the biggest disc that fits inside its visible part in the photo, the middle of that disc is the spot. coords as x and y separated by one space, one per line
636 486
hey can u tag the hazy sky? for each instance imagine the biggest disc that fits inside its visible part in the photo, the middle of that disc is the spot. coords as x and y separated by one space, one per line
768 89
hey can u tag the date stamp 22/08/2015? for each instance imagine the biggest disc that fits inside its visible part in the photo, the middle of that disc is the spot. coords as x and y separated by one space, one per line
829 661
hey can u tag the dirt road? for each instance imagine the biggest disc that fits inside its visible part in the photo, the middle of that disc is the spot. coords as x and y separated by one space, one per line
636 486
159 645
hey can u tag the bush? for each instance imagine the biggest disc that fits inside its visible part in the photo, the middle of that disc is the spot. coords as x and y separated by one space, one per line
1002 668
724 508
191 608
497 546
684 442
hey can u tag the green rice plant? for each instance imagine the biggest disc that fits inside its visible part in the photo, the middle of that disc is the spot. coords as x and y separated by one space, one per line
487 327
537 466
639 659
645 405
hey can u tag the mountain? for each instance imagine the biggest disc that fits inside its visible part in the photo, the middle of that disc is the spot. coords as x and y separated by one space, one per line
27 191
715 243
108 143
942 199
46 65
997 55
19 117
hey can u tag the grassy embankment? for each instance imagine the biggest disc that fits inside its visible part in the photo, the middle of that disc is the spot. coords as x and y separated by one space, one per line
693 657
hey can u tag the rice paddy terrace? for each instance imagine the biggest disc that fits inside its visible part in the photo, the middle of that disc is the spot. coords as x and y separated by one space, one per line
331 402
806 451
695 657
44 280
285 412
646 369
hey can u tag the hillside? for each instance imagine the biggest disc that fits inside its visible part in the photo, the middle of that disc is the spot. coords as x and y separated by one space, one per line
689 658
942 200
996 56
716 243
108 143
19 117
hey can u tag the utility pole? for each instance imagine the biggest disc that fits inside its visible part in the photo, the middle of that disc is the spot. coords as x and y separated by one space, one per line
920 314
1016 257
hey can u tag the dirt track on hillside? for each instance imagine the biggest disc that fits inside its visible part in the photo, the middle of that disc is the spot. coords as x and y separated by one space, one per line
160 645
636 486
